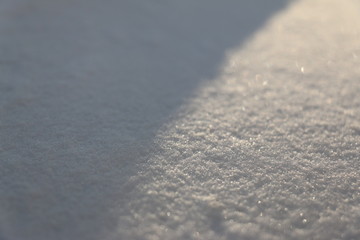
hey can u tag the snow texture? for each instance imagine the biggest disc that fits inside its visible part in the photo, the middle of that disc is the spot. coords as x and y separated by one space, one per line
179 119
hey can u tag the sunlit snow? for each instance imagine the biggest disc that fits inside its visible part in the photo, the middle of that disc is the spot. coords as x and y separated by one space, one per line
179 119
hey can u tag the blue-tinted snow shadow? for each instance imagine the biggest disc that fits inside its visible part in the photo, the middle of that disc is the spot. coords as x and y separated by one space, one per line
101 78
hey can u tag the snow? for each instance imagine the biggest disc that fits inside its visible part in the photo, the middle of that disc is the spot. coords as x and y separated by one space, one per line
179 119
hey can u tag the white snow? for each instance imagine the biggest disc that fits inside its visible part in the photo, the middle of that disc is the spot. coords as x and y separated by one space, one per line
179 119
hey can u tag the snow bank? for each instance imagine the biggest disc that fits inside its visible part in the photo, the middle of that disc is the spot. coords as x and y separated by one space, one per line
179 120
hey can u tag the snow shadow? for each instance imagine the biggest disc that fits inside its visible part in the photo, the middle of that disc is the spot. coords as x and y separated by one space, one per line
87 85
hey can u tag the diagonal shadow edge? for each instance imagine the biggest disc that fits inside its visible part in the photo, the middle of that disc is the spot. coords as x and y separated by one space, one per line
102 79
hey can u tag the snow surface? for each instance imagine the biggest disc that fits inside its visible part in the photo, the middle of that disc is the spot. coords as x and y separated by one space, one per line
179 119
